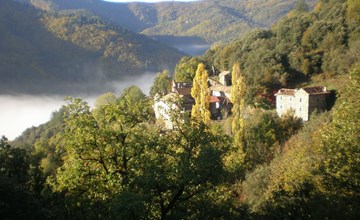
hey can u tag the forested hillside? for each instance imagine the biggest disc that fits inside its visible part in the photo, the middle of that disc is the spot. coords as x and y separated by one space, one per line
218 21
114 161
71 51
300 48
210 20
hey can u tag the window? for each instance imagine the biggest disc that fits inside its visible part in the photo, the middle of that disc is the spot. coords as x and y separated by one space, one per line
300 99
300 109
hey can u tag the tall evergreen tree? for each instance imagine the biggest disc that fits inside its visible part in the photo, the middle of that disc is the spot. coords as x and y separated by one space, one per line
200 92
238 100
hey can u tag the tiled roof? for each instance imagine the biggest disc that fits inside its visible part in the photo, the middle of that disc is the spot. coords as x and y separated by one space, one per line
315 90
183 91
289 92
221 88
214 99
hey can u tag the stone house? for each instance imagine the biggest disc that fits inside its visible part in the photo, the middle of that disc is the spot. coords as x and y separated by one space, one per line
183 90
163 108
219 90
225 78
166 105
220 104
302 101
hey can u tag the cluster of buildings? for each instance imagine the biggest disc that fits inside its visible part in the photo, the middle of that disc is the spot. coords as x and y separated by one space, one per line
301 101
220 104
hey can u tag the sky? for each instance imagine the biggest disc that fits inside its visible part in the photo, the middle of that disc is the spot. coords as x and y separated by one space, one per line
150 0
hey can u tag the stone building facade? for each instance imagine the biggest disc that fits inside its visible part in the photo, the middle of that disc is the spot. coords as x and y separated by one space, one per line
302 101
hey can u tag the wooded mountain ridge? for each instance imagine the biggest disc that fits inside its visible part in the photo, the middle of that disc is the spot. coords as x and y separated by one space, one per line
210 20
302 48
71 51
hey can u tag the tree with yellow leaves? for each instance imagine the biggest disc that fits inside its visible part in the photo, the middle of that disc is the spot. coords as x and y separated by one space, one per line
238 100
200 92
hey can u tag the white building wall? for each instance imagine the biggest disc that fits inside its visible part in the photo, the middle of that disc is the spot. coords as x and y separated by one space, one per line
302 105
284 103
162 112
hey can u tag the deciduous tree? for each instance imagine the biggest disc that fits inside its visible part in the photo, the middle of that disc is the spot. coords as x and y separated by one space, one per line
161 84
200 92
238 100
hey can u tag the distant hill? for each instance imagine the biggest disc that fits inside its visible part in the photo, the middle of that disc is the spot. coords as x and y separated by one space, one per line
211 20
70 51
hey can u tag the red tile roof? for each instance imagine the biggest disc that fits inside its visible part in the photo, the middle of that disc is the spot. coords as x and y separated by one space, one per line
214 99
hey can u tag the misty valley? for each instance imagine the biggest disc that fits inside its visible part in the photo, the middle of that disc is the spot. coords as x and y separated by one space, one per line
174 110
22 111
26 110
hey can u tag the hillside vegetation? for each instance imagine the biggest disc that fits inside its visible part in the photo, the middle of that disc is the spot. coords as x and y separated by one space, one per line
114 161
211 20
303 45
71 51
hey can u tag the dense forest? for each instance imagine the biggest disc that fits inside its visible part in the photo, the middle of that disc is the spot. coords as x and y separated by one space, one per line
303 48
210 20
114 161
71 51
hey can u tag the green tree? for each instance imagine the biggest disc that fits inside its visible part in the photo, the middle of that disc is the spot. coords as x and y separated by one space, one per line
14 162
130 169
279 189
100 101
100 153
19 193
161 84
200 92
185 70
340 144
104 99
132 94
179 171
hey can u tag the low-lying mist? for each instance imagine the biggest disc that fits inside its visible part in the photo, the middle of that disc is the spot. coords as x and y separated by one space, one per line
192 49
22 111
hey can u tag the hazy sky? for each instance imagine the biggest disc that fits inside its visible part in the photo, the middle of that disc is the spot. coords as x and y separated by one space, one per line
150 0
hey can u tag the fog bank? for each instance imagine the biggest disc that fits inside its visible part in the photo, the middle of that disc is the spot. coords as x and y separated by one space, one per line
19 112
